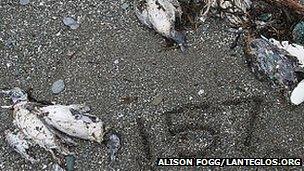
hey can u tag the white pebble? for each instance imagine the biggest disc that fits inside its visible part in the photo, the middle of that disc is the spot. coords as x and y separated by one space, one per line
58 86
201 92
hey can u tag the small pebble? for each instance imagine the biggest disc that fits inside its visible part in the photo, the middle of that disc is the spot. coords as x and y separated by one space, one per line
157 99
125 6
58 86
8 65
56 167
70 162
298 33
70 22
2 45
265 17
9 43
24 2
116 61
201 92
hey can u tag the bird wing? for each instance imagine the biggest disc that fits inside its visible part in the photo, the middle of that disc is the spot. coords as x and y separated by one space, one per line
74 120
20 144
61 135
161 14
142 13
178 9
81 113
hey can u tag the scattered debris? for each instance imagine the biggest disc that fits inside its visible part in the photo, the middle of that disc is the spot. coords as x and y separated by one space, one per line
157 99
56 167
233 10
191 14
58 86
113 145
274 18
128 99
298 33
70 22
24 2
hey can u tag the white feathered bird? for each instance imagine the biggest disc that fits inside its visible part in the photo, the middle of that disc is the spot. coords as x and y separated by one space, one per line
45 125
17 141
74 120
28 123
161 16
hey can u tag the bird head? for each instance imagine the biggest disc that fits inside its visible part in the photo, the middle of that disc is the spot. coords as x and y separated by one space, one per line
16 94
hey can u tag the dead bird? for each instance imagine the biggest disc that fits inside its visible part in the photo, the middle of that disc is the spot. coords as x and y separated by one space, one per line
162 15
297 94
29 125
277 65
17 141
74 120
267 60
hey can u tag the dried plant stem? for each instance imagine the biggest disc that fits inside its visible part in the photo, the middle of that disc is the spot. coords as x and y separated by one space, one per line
204 12
291 4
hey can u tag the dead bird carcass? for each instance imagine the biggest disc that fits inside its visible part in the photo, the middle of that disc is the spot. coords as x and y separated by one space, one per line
46 125
31 130
276 57
74 120
281 67
17 141
267 60
162 15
